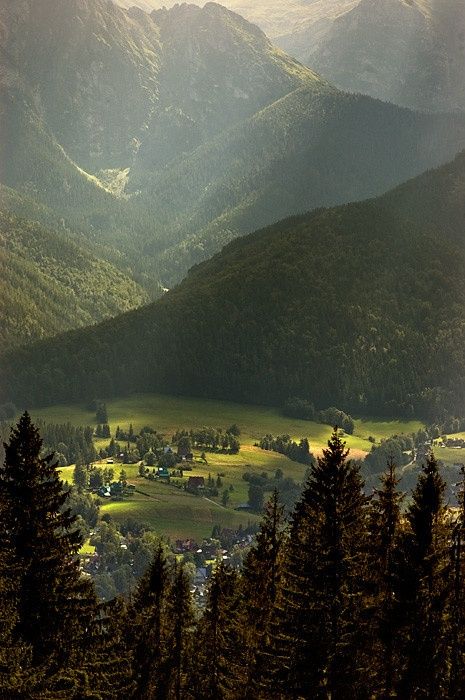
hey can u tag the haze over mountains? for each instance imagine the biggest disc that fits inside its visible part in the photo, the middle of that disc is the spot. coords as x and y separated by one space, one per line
410 52
158 138
136 145
361 306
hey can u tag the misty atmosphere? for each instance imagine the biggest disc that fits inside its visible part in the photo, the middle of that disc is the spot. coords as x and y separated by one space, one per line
232 357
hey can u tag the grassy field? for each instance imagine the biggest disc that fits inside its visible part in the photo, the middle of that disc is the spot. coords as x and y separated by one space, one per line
174 512
167 414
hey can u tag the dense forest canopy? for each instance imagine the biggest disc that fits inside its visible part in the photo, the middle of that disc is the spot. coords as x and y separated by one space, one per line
367 316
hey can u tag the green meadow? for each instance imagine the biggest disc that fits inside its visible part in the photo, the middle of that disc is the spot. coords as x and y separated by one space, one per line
168 508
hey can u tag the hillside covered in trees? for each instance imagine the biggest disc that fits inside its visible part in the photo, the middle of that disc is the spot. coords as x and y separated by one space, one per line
160 137
361 306
49 283
352 596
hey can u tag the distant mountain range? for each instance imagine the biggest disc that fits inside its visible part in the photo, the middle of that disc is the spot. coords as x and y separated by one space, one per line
275 17
158 138
410 52
361 306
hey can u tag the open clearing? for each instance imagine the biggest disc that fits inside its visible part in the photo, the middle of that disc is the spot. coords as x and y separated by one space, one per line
172 511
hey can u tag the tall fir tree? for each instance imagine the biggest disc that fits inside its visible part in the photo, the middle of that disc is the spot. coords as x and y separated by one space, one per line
384 535
53 605
422 584
180 622
148 632
456 608
258 588
216 663
317 625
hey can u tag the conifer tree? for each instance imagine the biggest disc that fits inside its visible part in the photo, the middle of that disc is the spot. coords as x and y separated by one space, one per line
258 587
315 634
147 633
385 528
109 667
160 620
180 620
456 612
422 583
53 606
216 665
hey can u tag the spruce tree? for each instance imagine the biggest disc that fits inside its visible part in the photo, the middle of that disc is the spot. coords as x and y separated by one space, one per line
180 621
317 623
147 622
384 535
456 612
258 587
422 582
53 605
216 663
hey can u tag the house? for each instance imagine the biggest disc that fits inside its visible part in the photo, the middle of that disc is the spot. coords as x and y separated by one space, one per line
163 473
195 484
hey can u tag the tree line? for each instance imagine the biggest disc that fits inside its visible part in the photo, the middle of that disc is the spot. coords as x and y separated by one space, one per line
352 597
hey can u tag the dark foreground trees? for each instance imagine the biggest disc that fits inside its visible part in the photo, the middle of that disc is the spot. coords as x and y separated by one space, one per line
354 598
55 639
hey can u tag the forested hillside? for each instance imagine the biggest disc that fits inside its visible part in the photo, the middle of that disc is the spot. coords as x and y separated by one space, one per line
162 136
315 147
352 596
49 284
361 306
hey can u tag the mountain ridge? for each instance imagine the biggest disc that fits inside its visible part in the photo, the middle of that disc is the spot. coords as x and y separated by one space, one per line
361 306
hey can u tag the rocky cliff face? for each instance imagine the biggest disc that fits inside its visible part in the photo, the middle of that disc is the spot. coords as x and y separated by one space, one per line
411 52
92 70
216 70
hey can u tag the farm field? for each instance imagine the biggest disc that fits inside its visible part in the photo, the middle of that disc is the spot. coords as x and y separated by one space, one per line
172 511
169 413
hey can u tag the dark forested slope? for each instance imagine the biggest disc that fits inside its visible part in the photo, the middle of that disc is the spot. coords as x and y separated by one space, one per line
361 306
49 284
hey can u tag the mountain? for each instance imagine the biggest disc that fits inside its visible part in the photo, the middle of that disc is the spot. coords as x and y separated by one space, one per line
314 147
160 137
49 283
411 52
360 306
274 17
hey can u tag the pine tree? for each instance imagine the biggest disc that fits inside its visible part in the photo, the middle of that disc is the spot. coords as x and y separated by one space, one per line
109 667
422 583
147 636
258 587
317 625
456 612
80 476
51 605
180 621
385 527
215 672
